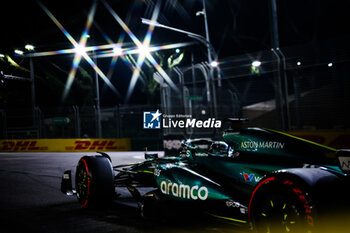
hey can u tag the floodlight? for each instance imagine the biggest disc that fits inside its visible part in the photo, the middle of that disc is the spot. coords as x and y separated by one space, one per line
256 63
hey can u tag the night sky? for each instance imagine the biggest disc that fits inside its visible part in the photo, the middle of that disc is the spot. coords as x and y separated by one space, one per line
235 26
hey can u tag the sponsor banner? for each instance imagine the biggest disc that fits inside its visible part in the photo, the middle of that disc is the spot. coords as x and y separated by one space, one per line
65 145
172 144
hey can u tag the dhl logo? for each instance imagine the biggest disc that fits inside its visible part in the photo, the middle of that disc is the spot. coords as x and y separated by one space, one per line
21 146
94 145
62 145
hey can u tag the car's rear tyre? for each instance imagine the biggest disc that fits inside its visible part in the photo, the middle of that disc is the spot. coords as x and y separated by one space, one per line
94 181
281 210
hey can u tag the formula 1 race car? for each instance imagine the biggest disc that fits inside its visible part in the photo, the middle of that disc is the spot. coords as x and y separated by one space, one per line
270 180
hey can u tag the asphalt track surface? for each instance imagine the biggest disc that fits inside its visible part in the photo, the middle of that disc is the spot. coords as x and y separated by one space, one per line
31 201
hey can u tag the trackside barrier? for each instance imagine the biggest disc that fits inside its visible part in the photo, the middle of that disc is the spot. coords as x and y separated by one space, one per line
65 145
336 139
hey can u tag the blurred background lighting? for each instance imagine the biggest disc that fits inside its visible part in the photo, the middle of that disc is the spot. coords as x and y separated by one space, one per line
117 51
214 64
29 47
256 63
198 13
143 50
79 49
18 52
298 63
330 64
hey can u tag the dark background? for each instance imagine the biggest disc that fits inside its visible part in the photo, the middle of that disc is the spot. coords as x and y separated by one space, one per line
236 27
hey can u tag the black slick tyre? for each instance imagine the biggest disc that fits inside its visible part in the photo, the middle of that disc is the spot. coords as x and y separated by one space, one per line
94 181
283 208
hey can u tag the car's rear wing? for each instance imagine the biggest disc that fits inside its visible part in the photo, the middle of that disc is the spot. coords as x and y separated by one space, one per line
343 156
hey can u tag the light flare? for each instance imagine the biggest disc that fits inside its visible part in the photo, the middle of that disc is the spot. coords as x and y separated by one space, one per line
78 56
133 50
141 57
111 50
80 49
107 47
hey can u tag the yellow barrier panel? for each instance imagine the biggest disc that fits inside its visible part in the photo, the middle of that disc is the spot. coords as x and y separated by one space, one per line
65 145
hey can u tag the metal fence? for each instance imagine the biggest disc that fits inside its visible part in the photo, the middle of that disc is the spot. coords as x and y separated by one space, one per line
81 122
316 96
306 87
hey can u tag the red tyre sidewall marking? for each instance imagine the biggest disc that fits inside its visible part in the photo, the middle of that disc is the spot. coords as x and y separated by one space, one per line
88 184
296 190
256 189
303 198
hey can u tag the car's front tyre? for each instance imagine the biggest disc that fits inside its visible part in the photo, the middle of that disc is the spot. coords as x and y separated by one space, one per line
94 181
